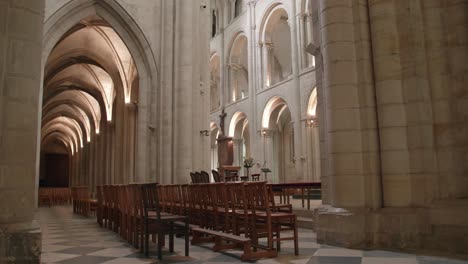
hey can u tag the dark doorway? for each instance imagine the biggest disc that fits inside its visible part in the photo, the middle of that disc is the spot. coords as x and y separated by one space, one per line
56 170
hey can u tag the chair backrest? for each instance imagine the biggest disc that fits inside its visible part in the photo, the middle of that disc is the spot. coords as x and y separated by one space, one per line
216 176
192 177
198 176
149 195
257 196
205 177
99 195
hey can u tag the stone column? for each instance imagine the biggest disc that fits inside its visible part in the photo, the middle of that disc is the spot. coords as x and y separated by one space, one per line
296 109
309 59
20 96
267 53
237 142
254 138
352 138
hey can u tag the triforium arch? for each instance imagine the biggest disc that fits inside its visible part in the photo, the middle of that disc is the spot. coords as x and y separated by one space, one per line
217 15
112 75
238 68
215 85
276 45
278 140
306 33
239 131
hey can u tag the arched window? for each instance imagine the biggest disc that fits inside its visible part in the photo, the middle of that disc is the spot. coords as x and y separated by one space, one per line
214 27
307 34
276 47
238 7
238 69
215 81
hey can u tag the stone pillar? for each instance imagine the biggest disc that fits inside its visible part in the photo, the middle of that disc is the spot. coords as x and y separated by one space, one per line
351 129
296 109
20 85
269 63
237 147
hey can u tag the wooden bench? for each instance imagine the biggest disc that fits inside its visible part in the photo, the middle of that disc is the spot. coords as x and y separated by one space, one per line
240 242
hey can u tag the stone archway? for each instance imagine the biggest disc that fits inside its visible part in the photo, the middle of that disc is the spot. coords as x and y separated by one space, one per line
278 140
69 15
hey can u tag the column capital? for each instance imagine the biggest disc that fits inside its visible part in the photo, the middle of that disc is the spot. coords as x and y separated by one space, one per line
269 45
307 15
252 3
266 132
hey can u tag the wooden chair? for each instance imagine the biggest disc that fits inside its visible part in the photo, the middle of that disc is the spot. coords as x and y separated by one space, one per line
216 176
263 222
192 177
161 223
205 177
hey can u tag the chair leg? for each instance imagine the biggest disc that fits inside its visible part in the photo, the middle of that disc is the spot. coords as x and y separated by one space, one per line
278 241
296 239
171 238
146 242
160 245
187 231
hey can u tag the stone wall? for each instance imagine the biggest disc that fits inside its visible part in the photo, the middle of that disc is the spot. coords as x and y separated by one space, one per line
395 148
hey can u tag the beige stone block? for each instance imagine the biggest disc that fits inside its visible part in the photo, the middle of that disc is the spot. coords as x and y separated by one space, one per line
395 162
23 90
442 111
20 115
439 84
420 136
340 51
24 24
327 4
368 118
340 73
32 6
23 204
389 91
343 96
337 14
392 115
397 190
344 119
450 160
393 138
346 141
370 140
348 191
19 147
18 176
418 112
346 164
337 32
387 67
20 56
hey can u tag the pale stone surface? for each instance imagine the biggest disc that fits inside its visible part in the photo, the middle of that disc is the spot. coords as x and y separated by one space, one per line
20 48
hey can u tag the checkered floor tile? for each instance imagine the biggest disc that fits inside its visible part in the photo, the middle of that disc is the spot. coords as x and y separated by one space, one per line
70 239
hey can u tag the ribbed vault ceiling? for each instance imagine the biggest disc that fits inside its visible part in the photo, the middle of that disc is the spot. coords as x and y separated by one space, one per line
89 70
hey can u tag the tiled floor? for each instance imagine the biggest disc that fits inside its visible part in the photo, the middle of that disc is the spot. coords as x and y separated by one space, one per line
71 239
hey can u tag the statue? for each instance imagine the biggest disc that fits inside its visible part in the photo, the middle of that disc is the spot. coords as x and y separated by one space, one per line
222 116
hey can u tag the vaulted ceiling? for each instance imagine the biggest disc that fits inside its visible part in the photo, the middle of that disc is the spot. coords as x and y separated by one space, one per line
89 72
